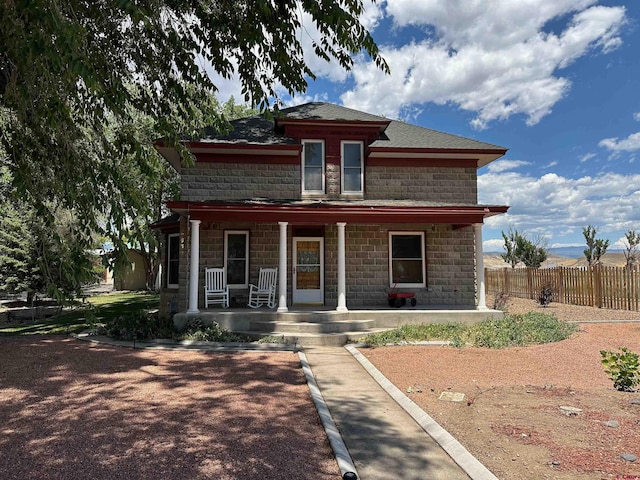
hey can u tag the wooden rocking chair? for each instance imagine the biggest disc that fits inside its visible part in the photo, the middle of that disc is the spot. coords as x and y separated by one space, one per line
216 290
265 292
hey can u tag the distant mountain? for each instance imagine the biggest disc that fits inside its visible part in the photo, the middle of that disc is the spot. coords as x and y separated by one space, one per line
567 252
569 258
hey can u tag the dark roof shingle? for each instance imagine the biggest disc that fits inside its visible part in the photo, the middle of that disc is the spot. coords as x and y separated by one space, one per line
262 131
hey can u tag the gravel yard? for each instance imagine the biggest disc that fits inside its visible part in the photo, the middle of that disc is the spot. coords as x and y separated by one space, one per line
510 418
71 409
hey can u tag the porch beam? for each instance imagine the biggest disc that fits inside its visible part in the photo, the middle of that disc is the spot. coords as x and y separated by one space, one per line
480 287
282 269
342 282
194 266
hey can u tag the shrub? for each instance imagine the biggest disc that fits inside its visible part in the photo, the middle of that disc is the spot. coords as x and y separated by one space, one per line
518 330
546 295
622 368
199 332
501 301
272 339
136 325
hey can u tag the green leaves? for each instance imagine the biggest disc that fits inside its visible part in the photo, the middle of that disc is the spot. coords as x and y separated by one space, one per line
520 249
596 247
622 368
71 70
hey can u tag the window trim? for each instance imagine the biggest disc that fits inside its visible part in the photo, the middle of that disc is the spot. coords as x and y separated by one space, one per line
303 167
168 263
423 284
342 167
246 267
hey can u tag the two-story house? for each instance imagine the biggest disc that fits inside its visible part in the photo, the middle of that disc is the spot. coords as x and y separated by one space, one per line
345 204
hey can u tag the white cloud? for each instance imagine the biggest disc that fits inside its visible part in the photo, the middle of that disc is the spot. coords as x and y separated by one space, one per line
586 157
492 57
494 245
555 205
636 116
300 99
629 144
504 165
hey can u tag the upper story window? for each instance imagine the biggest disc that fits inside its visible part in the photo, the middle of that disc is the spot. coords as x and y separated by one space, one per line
236 258
352 167
407 259
312 166
173 260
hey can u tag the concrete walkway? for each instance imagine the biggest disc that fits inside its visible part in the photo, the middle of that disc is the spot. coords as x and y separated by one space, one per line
385 434
383 440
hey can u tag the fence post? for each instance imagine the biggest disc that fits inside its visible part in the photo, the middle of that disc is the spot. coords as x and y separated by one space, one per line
598 285
506 288
560 282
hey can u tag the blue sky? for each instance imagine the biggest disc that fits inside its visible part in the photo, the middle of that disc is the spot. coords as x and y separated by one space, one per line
557 82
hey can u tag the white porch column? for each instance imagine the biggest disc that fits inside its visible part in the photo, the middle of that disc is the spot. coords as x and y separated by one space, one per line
282 268
194 266
480 287
342 276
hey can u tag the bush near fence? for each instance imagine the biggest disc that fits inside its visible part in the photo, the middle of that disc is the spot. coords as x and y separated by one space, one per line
598 286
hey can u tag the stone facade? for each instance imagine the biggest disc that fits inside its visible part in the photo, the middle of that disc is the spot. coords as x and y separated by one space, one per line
431 184
449 263
230 181
235 181
410 173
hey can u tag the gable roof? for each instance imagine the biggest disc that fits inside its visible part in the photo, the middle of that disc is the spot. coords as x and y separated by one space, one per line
328 112
395 136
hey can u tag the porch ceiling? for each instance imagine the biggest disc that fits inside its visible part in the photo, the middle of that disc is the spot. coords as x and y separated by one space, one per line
325 212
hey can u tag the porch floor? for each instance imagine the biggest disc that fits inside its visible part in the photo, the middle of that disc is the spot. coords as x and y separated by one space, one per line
315 325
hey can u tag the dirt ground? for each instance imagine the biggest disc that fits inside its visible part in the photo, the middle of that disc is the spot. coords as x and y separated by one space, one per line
75 410
511 418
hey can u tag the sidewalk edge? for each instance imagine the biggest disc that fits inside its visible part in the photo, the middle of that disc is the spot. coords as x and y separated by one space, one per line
345 462
470 464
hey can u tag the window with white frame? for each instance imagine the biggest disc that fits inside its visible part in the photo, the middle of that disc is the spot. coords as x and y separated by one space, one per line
407 259
352 167
173 260
312 166
236 258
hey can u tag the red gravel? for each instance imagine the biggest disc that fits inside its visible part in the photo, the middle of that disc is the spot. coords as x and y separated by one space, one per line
511 420
71 409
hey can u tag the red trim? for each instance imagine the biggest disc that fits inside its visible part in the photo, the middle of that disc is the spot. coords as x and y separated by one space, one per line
332 214
336 122
475 151
247 158
242 146
422 162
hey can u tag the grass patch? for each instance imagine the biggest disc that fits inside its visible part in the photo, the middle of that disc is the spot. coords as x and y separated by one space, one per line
531 328
512 330
97 310
416 333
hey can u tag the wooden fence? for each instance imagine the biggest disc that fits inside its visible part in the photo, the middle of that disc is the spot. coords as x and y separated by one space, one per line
599 286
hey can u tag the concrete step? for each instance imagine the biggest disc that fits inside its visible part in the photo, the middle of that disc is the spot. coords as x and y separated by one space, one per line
340 326
305 339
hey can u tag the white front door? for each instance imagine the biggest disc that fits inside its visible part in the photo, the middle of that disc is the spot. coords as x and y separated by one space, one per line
308 270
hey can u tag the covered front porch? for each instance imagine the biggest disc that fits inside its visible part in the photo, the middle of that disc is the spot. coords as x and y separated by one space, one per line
308 326
354 248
